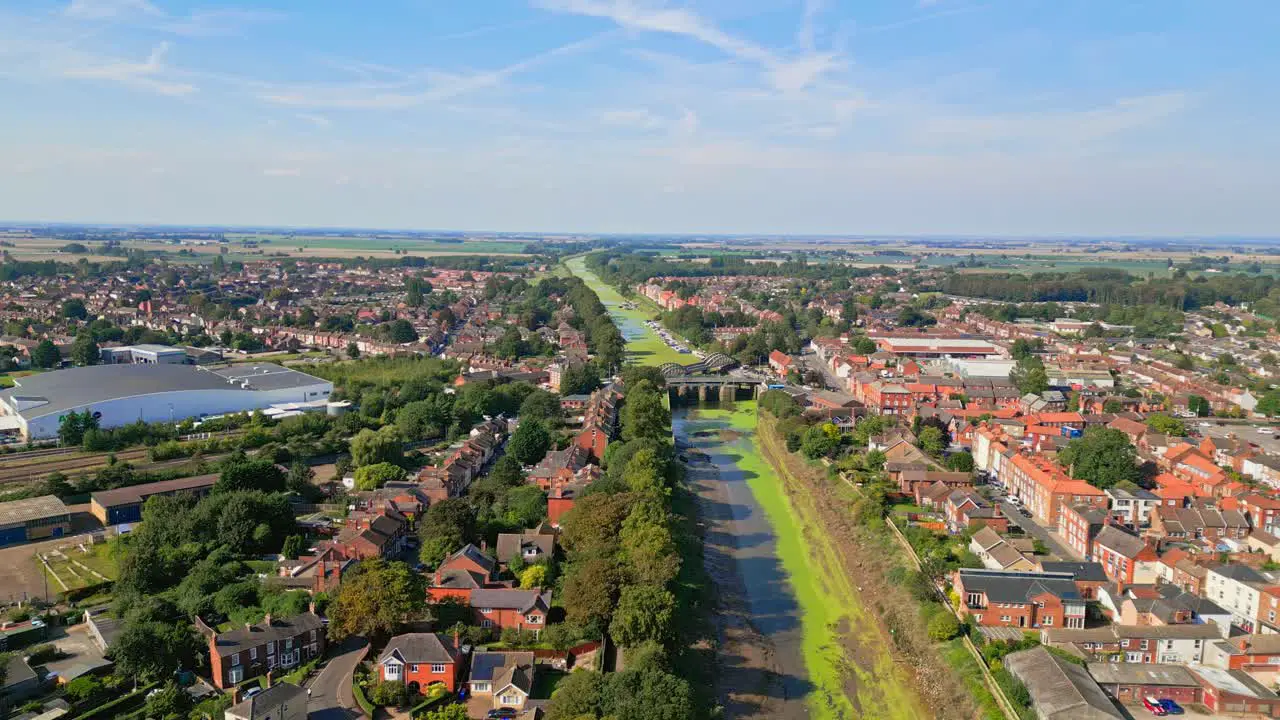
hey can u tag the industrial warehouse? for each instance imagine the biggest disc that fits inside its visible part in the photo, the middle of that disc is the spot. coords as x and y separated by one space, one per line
122 394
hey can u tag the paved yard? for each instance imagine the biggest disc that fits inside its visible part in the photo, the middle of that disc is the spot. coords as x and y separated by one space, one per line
20 576
82 652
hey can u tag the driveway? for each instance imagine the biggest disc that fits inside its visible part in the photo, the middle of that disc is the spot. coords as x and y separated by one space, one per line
1037 531
330 689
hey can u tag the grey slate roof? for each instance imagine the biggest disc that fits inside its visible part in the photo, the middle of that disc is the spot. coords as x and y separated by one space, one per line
420 648
259 706
1017 587
243 638
512 545
1113 538
489 666
1060 689
474 554
1082 571
511 599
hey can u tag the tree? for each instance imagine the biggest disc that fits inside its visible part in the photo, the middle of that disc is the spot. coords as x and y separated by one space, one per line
590 590
300 478
445 527
372 477
864 346
644 614
534 576
426 418
74 309
943 626
543 407
1199 406
817 443
1103 457
646 692
1029 375
45 355
506 472
644 415
370 447
386 693
353 350
1167 425
576 696
579 379
84 351
448 712
649 553
151 649
375 599
644 471
170 702
960 462
529 443
250 475
73 426
294 545
400 332
1269 403
932 440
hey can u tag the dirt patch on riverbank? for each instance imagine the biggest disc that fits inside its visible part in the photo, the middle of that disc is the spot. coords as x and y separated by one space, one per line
866 561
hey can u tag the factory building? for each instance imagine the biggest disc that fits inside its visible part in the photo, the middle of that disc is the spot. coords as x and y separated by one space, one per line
126 393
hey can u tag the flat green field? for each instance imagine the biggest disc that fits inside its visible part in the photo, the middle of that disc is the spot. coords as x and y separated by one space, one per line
832 616
643 344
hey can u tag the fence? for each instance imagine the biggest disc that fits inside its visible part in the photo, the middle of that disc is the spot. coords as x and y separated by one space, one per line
1010 711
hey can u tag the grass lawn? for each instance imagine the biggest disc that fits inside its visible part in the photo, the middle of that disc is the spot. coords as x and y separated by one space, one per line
643 344
263 567
72 569
831 612
546 683
960 660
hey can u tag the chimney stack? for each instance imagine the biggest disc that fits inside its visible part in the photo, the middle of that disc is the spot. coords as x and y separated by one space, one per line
457 639
266 620
270 677
311 606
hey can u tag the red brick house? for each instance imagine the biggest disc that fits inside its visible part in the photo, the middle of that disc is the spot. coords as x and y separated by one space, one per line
780 362
420 660
511 608
273 645
1126 558
561 500
1000 598
462 573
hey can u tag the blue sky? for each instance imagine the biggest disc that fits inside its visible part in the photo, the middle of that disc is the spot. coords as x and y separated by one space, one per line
1005 117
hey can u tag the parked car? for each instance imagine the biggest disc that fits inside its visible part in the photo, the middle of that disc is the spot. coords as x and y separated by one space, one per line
502 714
1170 706
1153 706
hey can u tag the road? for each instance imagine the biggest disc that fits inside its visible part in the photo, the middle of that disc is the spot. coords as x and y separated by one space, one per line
330 689
813 362
1037 531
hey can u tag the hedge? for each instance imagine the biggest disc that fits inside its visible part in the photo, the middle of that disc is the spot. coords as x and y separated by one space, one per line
115 708
358 690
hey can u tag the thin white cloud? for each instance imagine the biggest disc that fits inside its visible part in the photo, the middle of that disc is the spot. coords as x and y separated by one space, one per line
417 89
145 14
1055 128
786 74
640 118
319 121
149 75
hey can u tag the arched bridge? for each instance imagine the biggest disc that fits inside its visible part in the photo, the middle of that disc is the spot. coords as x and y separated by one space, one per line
726 387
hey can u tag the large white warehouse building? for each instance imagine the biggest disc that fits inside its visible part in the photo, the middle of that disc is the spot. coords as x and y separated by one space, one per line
122 394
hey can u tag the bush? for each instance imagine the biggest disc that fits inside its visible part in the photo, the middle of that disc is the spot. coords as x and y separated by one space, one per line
389 692
943 627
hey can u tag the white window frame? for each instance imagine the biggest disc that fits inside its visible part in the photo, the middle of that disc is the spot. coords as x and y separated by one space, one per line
437 669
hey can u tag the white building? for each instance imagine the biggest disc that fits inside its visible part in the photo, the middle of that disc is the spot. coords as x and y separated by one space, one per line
1238 589
122 394
1134 508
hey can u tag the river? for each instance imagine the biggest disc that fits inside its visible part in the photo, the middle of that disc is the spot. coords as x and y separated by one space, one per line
762 671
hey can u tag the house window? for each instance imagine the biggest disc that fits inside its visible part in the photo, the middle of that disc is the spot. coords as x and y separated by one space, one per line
253 653
235 659
313 636
1047 620
413 668
535 619
480 686
437 669
271 647
486 623
1004 618
236 675
486 611
511 700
